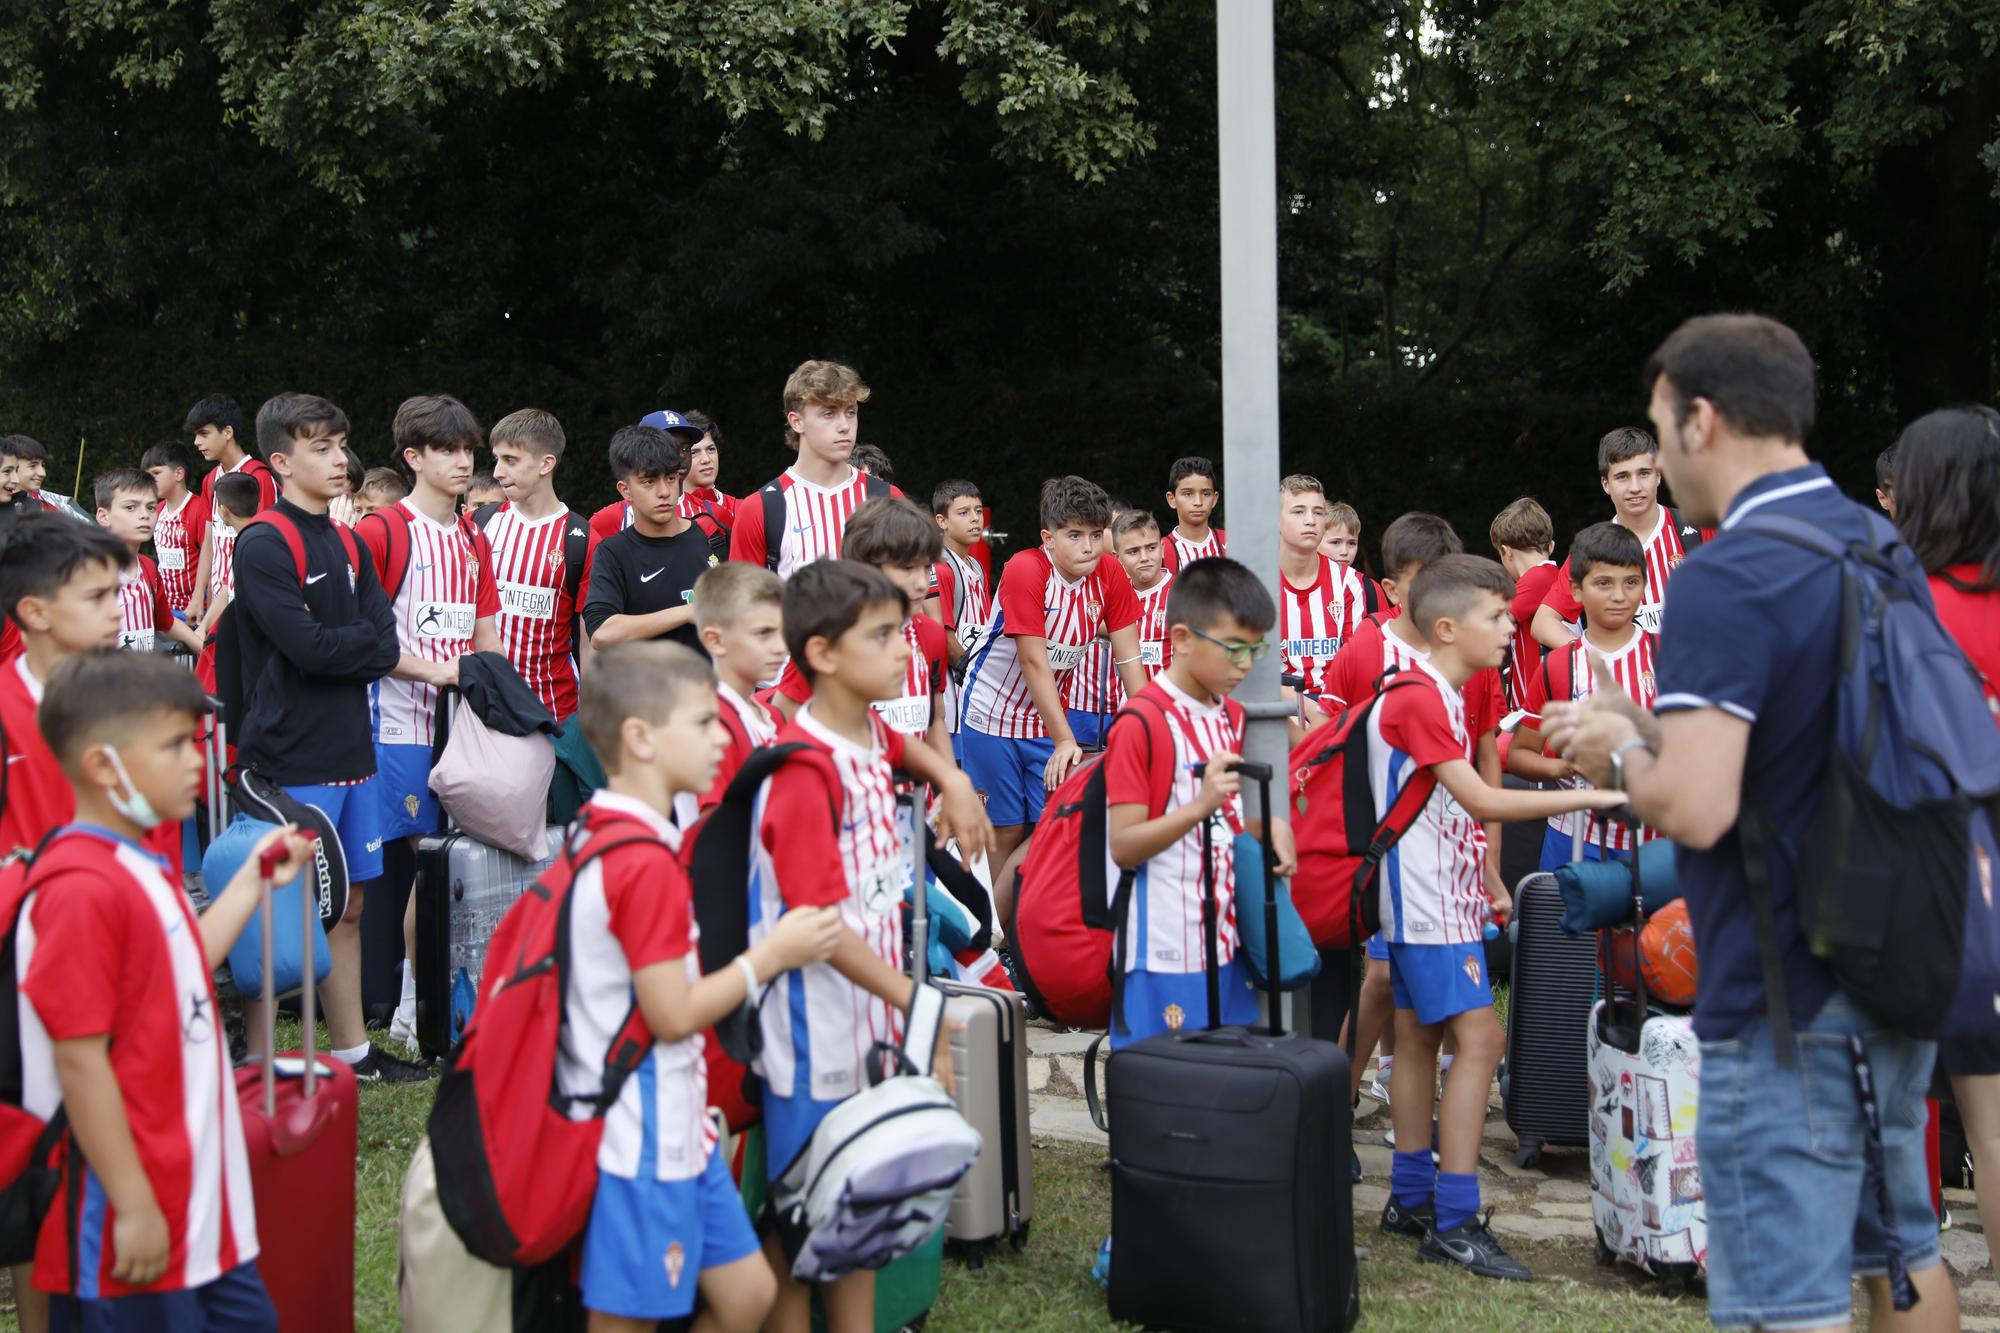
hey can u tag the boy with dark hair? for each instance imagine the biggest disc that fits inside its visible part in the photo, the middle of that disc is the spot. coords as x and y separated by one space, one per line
238 499
310 641
1193 493
617 516
891 534
541 558
1017 743
1628 468
1158 797
118 970
483 490
739 613
1434 911
873 461
700 497
126 502
1610 586
641 577
665 1206
1885 480
1091 693
217 425
1136 541
32 469
1524 537
842 622
1320 603
183 518
811 501
963 600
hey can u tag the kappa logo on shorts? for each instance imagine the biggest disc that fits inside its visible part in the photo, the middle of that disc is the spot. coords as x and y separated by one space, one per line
676 1261
1471 966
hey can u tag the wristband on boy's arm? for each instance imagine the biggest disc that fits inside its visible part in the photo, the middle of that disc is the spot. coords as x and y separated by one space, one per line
750 982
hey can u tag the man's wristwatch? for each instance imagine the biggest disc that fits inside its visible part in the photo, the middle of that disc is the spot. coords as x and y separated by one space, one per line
1618 753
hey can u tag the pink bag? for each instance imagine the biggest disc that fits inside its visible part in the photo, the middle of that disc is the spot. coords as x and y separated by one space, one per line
496 787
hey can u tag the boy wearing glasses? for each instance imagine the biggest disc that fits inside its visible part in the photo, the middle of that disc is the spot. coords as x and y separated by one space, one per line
1016 741
1218 615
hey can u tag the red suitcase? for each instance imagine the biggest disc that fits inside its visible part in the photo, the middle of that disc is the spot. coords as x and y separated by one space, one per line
299 1121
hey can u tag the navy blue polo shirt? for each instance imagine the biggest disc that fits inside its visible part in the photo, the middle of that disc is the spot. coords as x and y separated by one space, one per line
1751 627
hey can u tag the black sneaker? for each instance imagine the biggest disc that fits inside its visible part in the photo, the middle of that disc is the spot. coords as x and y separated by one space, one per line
378 1066
1400 1221
1354 1166
1472 1247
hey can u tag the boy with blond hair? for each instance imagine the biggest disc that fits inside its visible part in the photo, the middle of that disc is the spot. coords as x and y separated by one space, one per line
739 614
801 515
1320 602
1524 538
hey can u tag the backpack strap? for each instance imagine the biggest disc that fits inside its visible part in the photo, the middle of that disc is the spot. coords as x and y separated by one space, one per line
877 488
1690 535
623 1054
395 566
576 554
1358 807
1118 918
772 496
288 531
483 514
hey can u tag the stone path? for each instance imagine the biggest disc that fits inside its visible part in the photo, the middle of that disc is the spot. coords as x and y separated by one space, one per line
1548 1201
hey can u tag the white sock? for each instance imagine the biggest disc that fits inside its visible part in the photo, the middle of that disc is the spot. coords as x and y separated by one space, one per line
409 1000
353 1055
1444 1062
1382 1068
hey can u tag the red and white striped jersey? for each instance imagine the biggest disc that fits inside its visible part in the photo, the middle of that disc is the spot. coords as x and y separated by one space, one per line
1565 674
970 603
1315 620
1167 913
1095 687
177 542
1035 601
143 611
912 711
1432 885
706 500
446 590
1665 547
818 1025
222 561
1373 653
815 521
1179 551
1524 655
536 609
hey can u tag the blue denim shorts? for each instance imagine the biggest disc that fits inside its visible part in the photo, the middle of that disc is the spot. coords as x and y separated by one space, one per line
1782 1169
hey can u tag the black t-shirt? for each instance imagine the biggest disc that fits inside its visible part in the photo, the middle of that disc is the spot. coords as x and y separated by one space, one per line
634 575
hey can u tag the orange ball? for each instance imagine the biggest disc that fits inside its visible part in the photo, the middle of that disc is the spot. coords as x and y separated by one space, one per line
1666 948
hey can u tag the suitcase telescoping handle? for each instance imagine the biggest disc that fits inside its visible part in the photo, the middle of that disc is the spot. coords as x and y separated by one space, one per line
920 916
267 865
1273 967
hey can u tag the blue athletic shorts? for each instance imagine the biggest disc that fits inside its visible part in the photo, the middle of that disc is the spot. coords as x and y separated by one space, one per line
1157 1002
403 779
1007 774
650 1240
1378 948
789 1123
1790 1214
1556 848
356 813
1438 981
236 1302
1089 728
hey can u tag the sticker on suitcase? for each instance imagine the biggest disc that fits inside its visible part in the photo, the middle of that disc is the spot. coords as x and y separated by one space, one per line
1645 1183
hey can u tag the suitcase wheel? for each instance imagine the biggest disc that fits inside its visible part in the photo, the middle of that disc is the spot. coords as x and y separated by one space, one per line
1673 1286
1018 1236
1529 1153
1605 1255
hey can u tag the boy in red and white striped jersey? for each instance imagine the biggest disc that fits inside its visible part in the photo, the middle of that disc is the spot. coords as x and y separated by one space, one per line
1524 538
540 557
820 492
1319 602
963 600
183 518
1136 541
1193 494
217 425
1628 468
126 502
700 496
738 611
1017 743
1091 694
1610 588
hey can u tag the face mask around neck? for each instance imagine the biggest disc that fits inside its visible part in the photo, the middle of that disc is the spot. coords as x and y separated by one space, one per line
132 803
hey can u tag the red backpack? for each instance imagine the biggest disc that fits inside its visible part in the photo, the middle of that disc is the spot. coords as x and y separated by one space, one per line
395 525
1331 798
1066 914
515 1174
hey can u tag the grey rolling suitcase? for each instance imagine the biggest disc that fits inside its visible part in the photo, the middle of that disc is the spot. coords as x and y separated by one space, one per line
463 889
989 1056
1546 1094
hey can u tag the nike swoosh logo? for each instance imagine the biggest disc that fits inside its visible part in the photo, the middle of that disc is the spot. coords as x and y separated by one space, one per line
648 578
15 758
313 578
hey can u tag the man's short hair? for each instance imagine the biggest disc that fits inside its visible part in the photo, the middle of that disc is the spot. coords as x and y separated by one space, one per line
1301 484
820 382
286 419
1885 469
168 454
1131 521
644 680
41 551
704 423
827 598
97 697
1194 465
1451 585
239 494
434 421
725 593
105 490
648 451
874 462
1621 444
219 412
1604 544
383 481
532 429
1416 538
949 492
1341 514
1206 590
1074 500
1756 372
1523 525
891 530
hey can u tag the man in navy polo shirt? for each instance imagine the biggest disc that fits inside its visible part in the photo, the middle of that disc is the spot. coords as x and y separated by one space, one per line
1747 667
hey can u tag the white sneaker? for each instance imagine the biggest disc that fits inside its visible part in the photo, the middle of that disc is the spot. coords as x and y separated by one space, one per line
403 1027
1377 1089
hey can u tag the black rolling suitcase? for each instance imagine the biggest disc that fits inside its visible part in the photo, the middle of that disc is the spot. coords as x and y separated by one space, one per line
1231 1206
1546 1094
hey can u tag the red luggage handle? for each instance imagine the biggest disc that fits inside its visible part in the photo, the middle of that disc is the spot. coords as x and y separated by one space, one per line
299 1129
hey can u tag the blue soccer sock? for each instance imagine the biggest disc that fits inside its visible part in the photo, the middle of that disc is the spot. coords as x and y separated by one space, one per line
1413 1178
1457 1199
